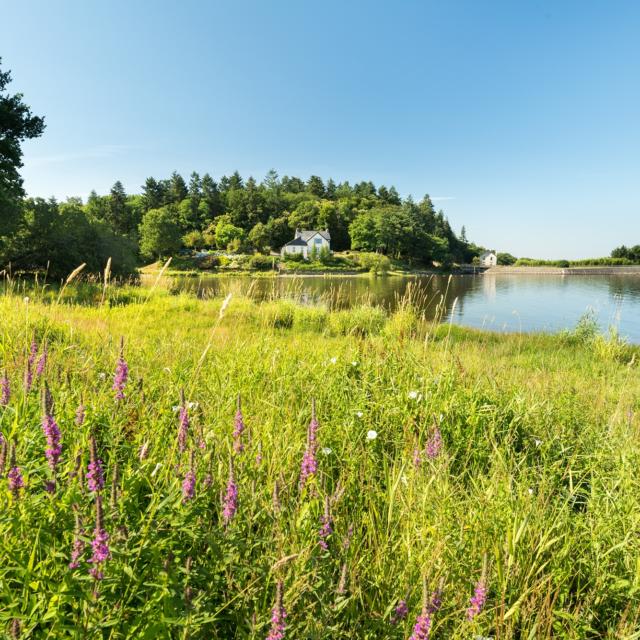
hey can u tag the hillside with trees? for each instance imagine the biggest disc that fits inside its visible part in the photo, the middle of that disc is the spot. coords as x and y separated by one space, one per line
174 214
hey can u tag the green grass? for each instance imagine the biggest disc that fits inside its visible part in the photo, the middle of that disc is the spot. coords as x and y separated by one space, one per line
537 480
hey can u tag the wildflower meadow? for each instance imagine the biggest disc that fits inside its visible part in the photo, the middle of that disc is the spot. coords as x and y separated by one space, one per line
173 467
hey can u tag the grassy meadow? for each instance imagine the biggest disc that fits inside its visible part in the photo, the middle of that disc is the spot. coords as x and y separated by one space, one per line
445 461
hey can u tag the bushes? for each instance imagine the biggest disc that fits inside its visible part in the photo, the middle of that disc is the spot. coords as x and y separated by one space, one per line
208 262
293 257
373 262
261 263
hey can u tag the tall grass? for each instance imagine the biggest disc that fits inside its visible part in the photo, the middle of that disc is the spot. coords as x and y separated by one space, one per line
535 488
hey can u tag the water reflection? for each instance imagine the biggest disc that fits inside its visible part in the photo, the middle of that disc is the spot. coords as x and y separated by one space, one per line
497 302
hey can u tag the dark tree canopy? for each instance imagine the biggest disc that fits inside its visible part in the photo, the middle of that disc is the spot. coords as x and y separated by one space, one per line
17 124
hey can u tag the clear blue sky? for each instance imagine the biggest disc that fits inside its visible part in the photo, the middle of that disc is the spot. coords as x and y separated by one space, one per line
520 119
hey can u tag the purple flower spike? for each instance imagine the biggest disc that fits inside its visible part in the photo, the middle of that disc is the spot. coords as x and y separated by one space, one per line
230 500
309 465
51 431
477 601
28 374
5 390
422 627
238 429
78 545
400 612
121 375
99 544
434 445
95 472
278 617
42 361
15 481
189 484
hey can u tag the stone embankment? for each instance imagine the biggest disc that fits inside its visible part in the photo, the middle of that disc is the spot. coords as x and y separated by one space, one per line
560 271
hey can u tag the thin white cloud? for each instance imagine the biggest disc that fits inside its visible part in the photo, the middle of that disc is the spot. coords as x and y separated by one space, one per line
93 153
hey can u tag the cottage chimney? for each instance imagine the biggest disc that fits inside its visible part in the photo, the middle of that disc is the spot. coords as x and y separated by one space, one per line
298 233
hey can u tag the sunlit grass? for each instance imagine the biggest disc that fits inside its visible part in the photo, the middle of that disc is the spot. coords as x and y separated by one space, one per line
537 480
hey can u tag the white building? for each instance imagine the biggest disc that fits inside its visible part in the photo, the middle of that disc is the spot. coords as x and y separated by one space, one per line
488 259
305 241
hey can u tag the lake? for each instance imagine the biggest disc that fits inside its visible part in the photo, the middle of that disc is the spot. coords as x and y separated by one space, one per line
509 303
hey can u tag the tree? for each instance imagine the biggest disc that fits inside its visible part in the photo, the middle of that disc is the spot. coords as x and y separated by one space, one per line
154 194
505 258
177 188
117 214
17 124
226 233
463 235
159 233
259 237
315 186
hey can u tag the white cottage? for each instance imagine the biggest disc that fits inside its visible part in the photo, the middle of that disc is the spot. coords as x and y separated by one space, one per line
305 241
488 259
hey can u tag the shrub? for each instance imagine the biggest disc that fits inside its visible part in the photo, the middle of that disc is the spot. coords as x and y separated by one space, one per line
261 263
293 257
208 262
373 262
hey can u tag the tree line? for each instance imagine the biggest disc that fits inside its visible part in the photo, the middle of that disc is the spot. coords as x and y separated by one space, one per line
232 213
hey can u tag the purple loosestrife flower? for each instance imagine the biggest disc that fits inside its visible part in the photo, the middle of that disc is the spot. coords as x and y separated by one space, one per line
400 612
51 431
436 601
326 528
417 459
309 465
99 544
434 445
15 481
422 627
230 499
95 472
122 374
42 361
238 429
5 390
478 599
278 617
78 544
189 484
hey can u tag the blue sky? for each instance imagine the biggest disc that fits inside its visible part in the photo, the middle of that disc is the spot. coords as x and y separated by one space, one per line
520 119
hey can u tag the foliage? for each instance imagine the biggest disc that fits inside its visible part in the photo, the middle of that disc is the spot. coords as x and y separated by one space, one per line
160 235
506 259
261 263
530 262
17 124
632 254
373 262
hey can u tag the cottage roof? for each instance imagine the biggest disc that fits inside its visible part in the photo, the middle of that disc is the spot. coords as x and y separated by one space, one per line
486 254
296 242
306 235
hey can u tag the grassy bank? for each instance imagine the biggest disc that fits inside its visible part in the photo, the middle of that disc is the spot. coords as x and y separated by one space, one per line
445 457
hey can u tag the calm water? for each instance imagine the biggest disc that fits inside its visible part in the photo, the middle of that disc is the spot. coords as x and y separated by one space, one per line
498 302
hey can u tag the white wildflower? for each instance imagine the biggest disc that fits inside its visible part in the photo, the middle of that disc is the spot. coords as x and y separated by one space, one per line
359 414
371 434
156 469
326 450
333 360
